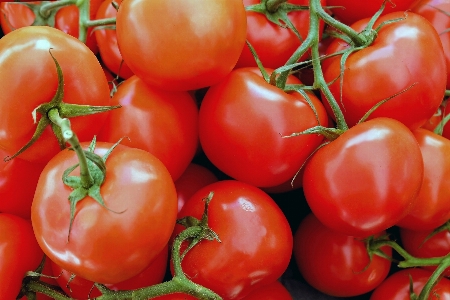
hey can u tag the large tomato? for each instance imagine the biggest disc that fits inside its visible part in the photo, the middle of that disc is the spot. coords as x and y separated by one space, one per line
24 56
251 228
106 245
261 33
334 263
19 253
161 122
397 64
432 206
272 291
181 45
241 121
367 179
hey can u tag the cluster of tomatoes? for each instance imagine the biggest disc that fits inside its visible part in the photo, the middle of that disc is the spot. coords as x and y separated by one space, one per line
300 140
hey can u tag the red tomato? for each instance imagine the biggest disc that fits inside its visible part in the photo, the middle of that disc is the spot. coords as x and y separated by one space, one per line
15 196
107 42
194 178
183 45
434 11
350 11
432 206
261 33
367 179
24 55
272 291
164 123
241 121
397 286
19 253
80 288
334 263
251 227
106 246
397 62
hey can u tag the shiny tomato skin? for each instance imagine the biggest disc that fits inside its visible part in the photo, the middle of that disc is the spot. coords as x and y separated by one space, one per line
24 55
241 123
107 42
251 228
397 286
19 252
350 11
164 123
196 49
261 33
334 263
417 97
106 246
272 291
367 179
432 205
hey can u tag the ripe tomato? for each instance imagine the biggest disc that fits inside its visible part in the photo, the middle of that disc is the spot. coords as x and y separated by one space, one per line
334 263
241 121
397 286
19 253
80 288
161 122
367 179
350 11
272 291
107 42
24 55
261 33
395 63
106 246
251 228
183 45
432 206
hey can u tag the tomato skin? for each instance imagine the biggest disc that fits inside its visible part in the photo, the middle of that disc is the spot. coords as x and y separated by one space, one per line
24 55
411 39
254 151
164 123
107 42
105 246
19 253
367 179
432 205
272 291
196 49
245 219
397 285
336 264
261 33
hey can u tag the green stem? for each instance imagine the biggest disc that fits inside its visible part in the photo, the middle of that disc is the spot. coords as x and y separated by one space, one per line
101 22
85 17
272 5
45 289
86 178
434 278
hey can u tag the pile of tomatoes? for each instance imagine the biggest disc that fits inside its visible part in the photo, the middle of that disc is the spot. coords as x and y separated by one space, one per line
226 149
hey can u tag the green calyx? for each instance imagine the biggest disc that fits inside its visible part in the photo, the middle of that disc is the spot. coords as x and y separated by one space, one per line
65 110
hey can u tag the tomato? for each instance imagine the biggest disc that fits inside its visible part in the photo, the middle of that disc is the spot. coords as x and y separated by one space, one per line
106 245
432 205
397 286
18 180
367 179
334 263
194 178
434 11
350 11
19 253
80 288
398 63
161 122
183 45
24 56
241 122
251 228
107 42
272 291
423 244
261 33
